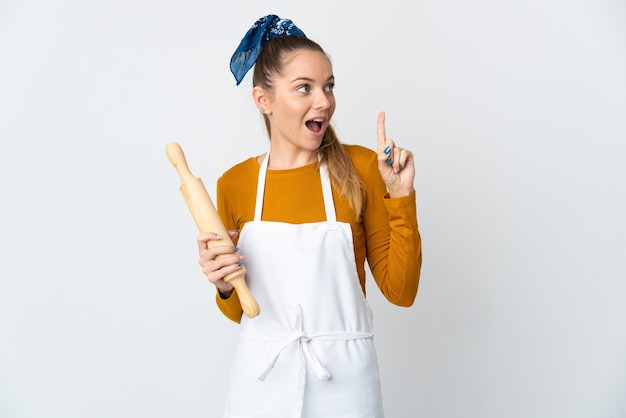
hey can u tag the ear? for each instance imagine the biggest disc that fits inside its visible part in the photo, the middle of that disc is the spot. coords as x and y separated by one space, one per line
262 100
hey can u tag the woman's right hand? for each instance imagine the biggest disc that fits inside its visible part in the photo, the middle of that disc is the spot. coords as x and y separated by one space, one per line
218 261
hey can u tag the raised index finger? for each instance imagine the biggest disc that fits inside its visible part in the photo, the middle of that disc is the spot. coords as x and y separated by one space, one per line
382 137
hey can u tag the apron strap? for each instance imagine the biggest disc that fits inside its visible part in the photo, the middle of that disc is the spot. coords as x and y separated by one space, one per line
260 188
329 203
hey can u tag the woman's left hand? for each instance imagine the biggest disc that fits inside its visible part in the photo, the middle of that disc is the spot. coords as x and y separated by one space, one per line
394 163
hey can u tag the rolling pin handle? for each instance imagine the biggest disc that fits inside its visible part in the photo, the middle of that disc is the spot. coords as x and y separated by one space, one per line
177 158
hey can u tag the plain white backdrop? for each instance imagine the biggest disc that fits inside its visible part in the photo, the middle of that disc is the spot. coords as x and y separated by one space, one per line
516 113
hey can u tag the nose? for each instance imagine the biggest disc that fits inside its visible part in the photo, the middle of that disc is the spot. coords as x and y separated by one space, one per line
322 101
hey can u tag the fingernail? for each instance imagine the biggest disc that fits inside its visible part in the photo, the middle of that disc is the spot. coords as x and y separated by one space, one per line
235 249
234 230
387 150
216 236
239 264
400 166
389 161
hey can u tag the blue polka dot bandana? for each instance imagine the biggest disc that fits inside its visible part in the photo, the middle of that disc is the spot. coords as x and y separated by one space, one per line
264 30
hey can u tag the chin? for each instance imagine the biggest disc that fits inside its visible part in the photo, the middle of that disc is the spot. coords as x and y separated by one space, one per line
317 142
317 136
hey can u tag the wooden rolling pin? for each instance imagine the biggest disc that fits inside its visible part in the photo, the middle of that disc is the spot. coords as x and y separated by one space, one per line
207 219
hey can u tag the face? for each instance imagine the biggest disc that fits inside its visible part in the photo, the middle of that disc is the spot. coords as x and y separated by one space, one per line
302 103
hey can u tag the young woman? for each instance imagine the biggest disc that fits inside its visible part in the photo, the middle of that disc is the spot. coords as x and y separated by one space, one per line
311 211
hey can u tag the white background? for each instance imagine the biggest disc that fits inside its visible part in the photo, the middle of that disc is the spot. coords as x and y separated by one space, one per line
516 113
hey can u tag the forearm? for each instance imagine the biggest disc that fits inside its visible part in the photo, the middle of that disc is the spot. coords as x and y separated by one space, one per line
404 259
396 260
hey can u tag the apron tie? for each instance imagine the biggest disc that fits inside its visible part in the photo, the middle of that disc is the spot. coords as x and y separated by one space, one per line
307 353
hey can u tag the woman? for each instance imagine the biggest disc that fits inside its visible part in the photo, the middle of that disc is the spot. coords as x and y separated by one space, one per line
310 212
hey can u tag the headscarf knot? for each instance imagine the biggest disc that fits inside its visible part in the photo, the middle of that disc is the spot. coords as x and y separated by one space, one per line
262 31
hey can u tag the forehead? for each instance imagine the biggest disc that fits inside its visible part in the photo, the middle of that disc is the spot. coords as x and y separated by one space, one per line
306 63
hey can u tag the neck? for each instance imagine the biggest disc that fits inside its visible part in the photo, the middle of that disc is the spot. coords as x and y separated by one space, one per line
285 160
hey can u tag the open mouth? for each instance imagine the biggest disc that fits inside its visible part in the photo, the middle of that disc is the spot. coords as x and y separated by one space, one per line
315 125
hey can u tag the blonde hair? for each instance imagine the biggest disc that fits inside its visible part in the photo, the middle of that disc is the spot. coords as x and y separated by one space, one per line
343 175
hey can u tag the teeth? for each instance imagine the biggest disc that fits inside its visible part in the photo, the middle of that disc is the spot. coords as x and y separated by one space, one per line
318 120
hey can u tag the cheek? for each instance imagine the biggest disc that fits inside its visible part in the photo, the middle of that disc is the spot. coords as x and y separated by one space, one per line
296 110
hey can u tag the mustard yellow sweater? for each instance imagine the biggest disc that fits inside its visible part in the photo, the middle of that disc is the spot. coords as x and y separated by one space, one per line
387 235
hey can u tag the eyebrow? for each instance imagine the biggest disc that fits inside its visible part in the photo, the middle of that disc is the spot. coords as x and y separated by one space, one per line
310 80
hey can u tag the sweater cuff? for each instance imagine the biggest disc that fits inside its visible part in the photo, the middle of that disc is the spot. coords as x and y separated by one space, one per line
399 202
230 307
402 210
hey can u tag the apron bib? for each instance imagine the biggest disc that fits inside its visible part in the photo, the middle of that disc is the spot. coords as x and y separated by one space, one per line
310 352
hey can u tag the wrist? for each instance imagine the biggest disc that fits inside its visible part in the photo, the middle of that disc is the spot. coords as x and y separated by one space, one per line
225 291
400 193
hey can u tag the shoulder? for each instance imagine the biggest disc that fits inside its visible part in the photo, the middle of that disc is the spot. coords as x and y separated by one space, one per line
238 173
359 153
363 158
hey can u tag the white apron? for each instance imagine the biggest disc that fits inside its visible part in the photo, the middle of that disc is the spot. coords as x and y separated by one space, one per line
310 353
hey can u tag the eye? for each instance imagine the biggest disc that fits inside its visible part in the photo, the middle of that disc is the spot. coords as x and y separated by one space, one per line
330 87
304 88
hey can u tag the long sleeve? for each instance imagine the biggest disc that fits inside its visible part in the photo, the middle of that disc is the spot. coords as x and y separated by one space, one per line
393 241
